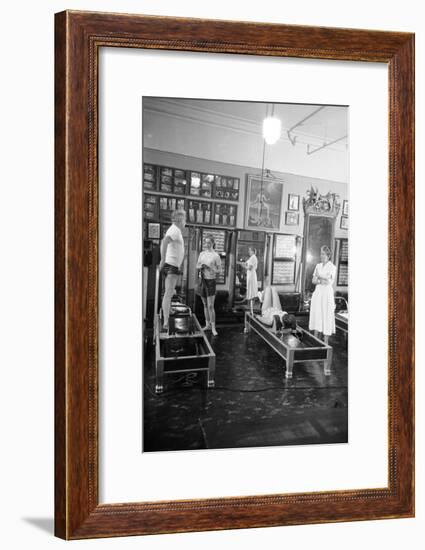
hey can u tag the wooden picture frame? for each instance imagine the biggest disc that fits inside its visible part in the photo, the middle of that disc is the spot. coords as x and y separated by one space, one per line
285 246
288 275
292 218
78 38
154 230
345 208
263 215
344 223
293 202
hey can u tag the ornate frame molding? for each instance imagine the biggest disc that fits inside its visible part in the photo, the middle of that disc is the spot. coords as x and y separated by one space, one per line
78 38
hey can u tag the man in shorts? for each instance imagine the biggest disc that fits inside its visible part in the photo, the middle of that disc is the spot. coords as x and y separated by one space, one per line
172 255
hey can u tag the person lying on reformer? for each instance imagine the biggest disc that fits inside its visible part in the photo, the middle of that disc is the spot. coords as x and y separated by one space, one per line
272 315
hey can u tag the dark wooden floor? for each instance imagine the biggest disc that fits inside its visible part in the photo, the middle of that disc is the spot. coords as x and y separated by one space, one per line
252 404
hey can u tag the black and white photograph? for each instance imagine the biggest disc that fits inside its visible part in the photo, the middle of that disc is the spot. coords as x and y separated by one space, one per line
292 218
293 202
263 203
245 275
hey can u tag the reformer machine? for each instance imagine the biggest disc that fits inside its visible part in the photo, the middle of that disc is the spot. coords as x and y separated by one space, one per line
183 347
293 349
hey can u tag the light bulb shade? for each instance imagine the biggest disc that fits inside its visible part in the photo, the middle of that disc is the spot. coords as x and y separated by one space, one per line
271 129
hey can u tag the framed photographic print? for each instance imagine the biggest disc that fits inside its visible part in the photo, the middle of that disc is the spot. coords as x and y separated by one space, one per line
292 218
199 212
263 203
154 230
293 202
195 184
149 177
345 208
106 482
226 188
225 214
344 222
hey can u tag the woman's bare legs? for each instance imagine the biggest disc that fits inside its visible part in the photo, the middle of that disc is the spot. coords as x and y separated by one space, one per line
206 314
211 311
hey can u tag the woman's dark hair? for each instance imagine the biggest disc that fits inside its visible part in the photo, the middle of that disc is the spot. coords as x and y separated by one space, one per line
289 321
253 249
211 238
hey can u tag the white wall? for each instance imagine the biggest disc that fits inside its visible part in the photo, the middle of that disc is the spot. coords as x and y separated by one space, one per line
26 288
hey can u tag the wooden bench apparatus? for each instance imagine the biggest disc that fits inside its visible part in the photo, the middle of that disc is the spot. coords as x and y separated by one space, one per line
341 321
186 352
181 349
341 315
290 348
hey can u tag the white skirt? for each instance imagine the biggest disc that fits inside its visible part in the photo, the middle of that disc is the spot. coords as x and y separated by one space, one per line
322 310
251 284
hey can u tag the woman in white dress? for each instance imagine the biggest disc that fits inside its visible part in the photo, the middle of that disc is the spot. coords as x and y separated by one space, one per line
209 264
251 277
322 307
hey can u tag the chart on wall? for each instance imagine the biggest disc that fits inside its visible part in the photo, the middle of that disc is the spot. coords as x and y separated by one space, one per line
343 263
283 273
284 246
283 269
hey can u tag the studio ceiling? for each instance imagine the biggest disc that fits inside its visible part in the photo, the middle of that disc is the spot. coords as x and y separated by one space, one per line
231 132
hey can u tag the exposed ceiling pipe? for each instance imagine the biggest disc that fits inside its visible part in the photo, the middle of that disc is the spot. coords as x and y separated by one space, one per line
310 152
294 139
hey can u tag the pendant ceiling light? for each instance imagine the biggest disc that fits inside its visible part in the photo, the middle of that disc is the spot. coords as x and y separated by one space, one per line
271 128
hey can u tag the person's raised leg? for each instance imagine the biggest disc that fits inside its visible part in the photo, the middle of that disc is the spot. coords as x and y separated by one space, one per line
275 298
170 287
267 299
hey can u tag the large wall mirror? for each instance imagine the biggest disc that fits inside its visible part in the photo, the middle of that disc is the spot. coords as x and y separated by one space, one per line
320 212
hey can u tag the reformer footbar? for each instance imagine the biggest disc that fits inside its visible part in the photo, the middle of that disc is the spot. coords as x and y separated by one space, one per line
183 347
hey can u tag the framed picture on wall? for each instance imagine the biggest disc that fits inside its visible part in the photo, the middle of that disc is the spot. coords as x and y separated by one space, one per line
345 208
263 203
344 222
154 230
293 202
292 218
